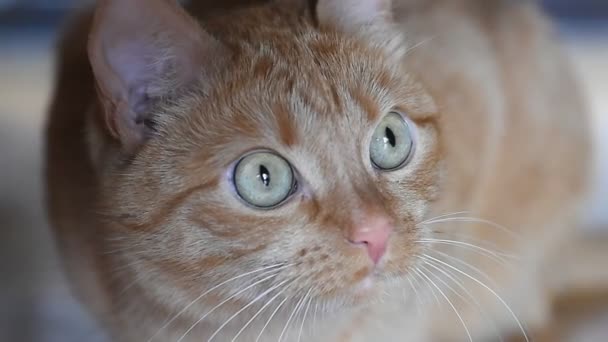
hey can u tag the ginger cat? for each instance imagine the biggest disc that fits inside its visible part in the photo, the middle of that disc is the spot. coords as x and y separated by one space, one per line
327 170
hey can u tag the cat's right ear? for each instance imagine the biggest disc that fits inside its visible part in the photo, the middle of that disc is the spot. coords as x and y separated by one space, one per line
371 20
354 15
141 51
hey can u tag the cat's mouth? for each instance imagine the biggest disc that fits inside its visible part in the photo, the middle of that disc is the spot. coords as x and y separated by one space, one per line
375 283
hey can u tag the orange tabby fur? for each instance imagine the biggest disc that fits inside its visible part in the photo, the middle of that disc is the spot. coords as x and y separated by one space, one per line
146 221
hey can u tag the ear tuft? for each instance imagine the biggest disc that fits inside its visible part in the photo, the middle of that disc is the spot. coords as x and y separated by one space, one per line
140 52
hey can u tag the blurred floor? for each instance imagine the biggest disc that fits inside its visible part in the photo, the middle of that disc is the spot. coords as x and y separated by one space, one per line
34 303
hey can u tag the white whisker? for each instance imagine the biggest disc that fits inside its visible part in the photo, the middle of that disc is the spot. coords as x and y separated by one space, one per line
304 319
419 273
261 310
260 296
314 318
166 324
451 276
419 44
296 308
452 305
469 237
487 288
496 256
456 213
222 303
270 318
468 265
469 219
416 295
418 285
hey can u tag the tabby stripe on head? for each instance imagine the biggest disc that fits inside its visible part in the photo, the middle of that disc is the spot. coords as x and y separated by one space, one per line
155 220
287 131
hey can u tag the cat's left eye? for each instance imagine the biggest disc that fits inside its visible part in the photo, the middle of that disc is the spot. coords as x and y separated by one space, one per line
264 179
392 143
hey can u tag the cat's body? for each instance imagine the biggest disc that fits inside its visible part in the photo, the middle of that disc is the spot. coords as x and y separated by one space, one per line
146 223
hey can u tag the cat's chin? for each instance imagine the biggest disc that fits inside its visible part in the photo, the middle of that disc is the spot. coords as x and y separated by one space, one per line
368 290
367 286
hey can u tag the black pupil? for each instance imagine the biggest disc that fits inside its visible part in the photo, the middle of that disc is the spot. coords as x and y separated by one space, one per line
264 175
389 137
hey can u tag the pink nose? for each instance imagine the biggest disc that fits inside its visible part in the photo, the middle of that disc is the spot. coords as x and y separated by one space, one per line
372 233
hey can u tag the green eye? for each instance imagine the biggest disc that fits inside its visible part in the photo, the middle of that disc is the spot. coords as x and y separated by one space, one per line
392 143
263 179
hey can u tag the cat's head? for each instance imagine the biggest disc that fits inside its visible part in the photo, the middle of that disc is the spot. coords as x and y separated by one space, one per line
274 145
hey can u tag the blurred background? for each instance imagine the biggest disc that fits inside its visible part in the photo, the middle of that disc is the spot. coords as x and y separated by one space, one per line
35 305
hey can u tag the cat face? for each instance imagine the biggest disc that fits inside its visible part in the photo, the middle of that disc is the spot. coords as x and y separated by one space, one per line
302 165
316 131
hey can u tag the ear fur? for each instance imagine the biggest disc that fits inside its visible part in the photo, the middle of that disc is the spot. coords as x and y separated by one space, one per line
141 51
353 15
368 19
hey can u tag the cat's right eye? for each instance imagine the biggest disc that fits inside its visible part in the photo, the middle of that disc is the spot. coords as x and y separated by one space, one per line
264 179
392 143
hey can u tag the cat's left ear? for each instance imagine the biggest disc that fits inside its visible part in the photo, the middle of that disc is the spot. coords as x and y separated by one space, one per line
354 15
142 51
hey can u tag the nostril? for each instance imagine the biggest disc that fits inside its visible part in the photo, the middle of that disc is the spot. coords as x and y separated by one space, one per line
358 242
